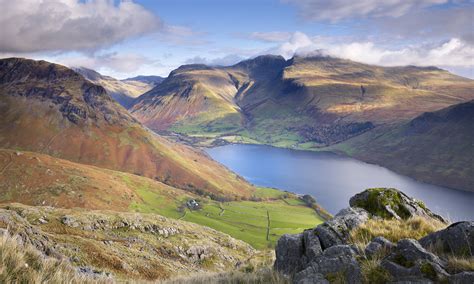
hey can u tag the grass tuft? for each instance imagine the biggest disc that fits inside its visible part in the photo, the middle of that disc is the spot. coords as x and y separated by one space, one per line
395 230
21 263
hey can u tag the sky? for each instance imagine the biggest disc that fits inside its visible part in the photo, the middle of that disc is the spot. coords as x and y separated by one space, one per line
152 37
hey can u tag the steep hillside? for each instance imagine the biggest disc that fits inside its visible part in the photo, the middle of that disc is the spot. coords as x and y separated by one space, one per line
41 180
435 147
301 102
147 79
316 102
51 109
123 245
123 91
193 96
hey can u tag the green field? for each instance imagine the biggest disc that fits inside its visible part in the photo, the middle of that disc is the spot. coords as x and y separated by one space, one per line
259 223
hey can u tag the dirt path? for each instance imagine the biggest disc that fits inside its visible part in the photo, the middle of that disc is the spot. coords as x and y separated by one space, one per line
268 226
184 215
222 210
10 161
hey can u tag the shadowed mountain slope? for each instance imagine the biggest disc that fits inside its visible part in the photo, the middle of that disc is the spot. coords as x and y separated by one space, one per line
435 147
123 91
315 100
51 109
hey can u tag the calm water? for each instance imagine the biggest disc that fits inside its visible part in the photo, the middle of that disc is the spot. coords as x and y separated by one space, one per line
333 179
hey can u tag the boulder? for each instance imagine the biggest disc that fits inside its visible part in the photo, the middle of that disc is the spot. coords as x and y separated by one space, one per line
457 239
376 245
312 244
462 278
289 254
337 262
336 231
410 261
391 203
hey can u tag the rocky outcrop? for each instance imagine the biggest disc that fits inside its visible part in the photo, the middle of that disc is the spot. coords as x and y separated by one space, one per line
325 254
391 203
322 251
456 239
409 261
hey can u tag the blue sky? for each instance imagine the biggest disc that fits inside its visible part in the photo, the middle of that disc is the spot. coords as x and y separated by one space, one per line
127 38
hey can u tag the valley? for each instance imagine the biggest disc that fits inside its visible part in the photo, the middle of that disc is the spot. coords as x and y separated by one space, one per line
317 103
236 142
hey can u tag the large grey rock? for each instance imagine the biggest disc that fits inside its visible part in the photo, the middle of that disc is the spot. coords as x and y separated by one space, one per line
457 239
312 244
336 261
391 203
336 231
378 244
289 254
462 278
410 261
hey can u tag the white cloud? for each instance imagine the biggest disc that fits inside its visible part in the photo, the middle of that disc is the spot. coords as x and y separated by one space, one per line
270 36
118 63
227 60
336 10
454 52
64 25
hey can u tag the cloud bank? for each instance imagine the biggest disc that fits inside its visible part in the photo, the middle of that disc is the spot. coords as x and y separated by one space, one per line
336 10
454 52
65 25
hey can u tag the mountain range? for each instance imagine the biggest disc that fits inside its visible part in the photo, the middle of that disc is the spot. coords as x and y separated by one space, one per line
64 142
123 91
50 109
309 103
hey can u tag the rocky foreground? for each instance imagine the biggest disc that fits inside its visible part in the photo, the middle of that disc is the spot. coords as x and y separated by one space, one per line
347 248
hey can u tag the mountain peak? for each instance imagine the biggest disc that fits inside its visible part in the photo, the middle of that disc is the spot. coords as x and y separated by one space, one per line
21 69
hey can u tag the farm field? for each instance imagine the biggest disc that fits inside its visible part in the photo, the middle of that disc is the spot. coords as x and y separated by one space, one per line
259 223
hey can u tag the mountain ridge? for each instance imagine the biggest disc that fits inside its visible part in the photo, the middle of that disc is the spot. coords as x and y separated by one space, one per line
53 110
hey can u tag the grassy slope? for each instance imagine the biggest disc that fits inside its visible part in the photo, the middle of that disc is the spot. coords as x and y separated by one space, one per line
435 147
37 179
35 118
278 104
311 101
124 92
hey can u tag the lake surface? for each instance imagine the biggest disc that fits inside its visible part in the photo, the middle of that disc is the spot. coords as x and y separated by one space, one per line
333 179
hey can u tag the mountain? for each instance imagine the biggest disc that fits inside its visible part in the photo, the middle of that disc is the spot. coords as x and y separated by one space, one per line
150 79
123 91
50 109
305 101
435 147
314 103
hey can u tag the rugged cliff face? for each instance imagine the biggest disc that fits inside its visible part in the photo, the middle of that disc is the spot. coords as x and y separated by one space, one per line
374 241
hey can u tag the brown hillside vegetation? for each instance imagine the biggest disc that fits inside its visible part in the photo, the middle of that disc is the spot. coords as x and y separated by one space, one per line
435 147
318 99
126 245
50 109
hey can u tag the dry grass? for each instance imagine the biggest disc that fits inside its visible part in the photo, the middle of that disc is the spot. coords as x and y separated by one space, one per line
457 264
262 276
395 230
24 264
371 270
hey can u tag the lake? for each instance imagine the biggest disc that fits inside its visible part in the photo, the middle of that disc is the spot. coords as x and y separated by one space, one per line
333 179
